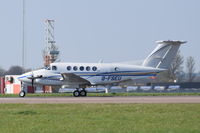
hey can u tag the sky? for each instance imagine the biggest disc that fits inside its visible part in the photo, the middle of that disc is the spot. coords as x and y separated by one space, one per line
93 30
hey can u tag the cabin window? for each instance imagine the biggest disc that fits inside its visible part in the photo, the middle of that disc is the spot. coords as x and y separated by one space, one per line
54 68
94 68
88 68
69 68
75 68
116 68
81 68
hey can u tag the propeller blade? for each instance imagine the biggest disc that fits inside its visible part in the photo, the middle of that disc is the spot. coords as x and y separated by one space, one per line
33 78
32 83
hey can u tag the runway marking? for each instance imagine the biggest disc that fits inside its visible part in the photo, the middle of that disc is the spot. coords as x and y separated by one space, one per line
70 100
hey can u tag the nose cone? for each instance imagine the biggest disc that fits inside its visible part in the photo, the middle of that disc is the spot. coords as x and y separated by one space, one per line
24 77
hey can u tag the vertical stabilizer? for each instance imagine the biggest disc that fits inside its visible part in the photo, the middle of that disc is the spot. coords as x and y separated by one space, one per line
163 55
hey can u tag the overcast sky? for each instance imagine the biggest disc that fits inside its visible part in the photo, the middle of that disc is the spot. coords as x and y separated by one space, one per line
90 30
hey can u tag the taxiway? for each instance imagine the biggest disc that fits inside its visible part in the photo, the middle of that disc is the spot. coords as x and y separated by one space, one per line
137 99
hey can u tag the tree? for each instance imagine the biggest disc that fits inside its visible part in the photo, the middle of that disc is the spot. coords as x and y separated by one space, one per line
2 72
15 70
176 69
190 69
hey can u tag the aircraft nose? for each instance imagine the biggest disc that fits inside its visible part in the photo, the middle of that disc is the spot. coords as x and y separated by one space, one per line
24 77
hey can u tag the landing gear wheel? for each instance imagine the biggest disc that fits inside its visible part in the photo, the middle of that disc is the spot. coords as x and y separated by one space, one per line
83 93
22 93
76 93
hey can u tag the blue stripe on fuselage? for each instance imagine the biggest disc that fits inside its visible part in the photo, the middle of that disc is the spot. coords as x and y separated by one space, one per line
92 74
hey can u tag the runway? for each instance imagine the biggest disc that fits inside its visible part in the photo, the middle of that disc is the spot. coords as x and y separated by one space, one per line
78 100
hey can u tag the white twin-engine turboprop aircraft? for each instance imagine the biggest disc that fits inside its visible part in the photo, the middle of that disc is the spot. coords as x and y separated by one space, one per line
83 75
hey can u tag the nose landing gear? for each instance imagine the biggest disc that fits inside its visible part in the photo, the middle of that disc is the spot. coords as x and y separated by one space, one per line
22 93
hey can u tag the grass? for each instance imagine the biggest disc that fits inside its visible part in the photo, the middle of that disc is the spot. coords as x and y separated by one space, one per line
100 118
102 94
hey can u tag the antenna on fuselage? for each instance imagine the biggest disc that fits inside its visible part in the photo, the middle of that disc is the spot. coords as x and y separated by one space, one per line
100 61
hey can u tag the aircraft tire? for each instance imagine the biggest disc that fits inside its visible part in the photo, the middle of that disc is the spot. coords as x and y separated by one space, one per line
83 93
76 93
22 93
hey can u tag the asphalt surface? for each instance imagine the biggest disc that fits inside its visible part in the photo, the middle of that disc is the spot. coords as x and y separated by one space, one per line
135 99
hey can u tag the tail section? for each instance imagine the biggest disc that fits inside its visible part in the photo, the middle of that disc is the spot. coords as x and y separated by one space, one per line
162 56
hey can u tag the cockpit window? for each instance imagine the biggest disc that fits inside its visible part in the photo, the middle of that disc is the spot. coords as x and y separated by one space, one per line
47 68
116 68
75 68
54 68
94 68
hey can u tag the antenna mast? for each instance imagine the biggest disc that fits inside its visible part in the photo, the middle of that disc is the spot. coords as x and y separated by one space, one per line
51 52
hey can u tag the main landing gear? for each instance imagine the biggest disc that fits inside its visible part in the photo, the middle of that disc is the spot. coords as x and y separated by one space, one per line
78 93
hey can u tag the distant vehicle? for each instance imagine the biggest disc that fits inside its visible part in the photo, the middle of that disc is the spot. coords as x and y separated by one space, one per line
159 88
173 87
83 75
145 88
131 88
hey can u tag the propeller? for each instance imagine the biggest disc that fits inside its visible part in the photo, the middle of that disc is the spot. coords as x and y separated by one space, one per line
33 78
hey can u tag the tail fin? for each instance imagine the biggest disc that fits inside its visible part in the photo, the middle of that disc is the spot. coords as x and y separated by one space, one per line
162 56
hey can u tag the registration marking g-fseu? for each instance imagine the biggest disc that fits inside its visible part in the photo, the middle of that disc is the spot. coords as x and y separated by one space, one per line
111 78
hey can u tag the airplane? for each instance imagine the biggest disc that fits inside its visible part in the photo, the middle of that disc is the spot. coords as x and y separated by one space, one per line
83 75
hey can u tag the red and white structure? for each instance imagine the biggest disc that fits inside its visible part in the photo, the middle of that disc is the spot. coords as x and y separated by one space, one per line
11 85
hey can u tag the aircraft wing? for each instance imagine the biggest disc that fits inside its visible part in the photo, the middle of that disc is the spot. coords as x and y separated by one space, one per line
71 78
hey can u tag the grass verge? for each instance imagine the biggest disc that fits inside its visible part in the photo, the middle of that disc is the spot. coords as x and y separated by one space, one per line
100 118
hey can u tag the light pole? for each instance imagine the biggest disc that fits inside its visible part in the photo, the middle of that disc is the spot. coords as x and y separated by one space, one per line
23 36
